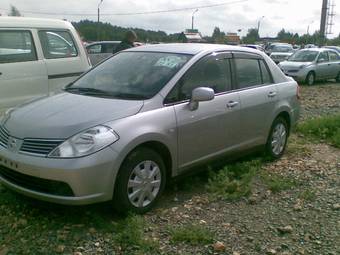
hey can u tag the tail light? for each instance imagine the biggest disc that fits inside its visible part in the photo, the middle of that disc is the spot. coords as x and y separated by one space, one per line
298 94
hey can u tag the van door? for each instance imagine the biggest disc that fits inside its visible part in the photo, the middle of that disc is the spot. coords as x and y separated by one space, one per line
23 75
62 57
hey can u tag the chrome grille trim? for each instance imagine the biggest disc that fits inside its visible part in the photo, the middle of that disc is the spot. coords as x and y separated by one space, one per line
4 136
39 147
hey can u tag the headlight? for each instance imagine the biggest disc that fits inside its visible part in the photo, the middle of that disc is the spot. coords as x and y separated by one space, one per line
85 143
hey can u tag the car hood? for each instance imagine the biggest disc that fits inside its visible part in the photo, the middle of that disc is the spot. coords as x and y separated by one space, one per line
293 64
66 114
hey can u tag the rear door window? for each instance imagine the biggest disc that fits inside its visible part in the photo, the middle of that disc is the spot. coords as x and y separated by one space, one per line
94 49
248 72
57 44
333 56
16 46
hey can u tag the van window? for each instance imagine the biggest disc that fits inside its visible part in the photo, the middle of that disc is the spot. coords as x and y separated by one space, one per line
212 71
57 44
16 46
248 72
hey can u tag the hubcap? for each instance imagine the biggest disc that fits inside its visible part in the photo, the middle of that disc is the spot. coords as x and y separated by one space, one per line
279 138
144 183
310 79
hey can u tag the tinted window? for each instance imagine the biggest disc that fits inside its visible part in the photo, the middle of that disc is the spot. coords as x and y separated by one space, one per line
333 56
212 72
248 72
108 47
57 44
266 77
323 56
16 46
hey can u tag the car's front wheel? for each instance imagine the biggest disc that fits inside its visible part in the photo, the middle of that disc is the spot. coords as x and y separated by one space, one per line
277 139
310 79
140 181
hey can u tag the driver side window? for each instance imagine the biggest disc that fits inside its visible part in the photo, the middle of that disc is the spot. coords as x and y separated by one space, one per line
323 57
212 71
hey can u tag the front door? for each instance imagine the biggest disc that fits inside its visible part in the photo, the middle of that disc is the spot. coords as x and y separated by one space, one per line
210 129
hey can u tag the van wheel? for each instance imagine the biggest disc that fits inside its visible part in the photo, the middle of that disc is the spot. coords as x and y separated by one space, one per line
310 79
140 182
277 139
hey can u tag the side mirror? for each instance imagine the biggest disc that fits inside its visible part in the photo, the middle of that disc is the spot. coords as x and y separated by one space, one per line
321 60
200 94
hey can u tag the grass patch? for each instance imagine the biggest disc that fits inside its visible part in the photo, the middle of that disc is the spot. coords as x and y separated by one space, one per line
324 128
130 236
233 181
307 195
191 234
277 183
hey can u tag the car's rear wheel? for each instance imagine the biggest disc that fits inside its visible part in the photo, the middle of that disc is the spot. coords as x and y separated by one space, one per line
140 182
338 77
310 79
277 139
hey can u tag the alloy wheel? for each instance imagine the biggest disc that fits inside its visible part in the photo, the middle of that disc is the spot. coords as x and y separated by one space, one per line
279 138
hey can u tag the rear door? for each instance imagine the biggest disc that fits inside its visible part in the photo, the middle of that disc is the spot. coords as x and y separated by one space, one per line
62 56
258 95
334 60
210 129
23 75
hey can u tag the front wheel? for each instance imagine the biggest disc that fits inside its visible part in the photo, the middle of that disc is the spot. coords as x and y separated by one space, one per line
140 181
277 139
310 79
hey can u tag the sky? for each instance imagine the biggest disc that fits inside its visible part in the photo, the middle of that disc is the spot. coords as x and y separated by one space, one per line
293 15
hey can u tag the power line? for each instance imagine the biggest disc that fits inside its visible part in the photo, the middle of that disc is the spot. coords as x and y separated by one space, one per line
137 13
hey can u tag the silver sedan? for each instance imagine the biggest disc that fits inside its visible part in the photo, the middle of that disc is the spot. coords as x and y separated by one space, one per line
144 115
310 65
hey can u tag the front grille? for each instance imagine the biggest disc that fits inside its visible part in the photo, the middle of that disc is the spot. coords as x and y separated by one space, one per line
39 147
36 184
4 136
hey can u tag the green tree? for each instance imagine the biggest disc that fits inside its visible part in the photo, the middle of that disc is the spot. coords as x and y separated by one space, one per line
14 12
251 37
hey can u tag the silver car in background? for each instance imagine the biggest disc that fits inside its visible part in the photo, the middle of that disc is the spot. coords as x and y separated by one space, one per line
143 116
310 65
98 51
280 52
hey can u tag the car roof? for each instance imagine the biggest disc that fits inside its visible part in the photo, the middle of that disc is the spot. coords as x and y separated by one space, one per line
23 22
191 48
318 49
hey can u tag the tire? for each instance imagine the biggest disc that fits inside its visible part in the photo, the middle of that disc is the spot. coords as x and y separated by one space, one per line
337 78
310 79
144 170
280 130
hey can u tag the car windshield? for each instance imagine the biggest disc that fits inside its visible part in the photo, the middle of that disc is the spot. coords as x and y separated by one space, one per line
130 75
282 48
304 56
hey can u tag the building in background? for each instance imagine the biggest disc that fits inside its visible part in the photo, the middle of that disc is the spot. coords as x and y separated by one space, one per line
191 36
232 39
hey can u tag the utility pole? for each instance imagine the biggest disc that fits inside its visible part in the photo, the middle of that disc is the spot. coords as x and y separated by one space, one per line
323 21
258 26
98 19
192 19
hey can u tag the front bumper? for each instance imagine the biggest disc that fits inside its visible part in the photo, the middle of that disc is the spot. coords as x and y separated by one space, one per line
91 179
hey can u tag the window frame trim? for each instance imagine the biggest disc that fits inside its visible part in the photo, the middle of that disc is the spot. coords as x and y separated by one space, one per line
34 47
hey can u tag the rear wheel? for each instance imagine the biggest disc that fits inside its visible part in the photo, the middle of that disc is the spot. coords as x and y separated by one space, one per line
140 181
310 79
338 77
277 139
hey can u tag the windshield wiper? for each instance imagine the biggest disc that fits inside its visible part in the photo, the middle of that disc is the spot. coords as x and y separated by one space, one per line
129 96
87 91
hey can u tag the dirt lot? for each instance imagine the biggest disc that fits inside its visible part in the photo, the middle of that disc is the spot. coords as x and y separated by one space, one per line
297 213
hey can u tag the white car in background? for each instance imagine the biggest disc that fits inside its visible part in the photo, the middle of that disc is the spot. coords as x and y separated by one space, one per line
280 52
38 57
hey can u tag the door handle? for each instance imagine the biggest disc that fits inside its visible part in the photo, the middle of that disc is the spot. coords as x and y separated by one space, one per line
232 104
272 94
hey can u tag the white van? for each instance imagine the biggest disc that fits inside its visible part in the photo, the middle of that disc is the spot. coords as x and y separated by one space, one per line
37 58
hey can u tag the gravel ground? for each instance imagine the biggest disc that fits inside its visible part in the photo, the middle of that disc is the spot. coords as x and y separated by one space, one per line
304 219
